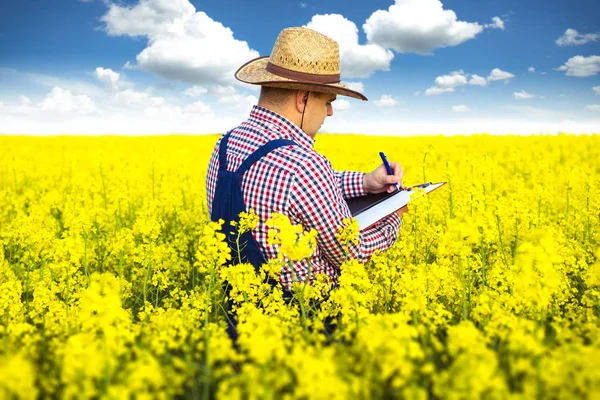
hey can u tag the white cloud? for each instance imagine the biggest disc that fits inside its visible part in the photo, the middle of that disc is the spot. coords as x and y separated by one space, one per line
303 5
498 75
147 18
109 77
165 86
20 109
456 78
447 83
596 89
357 86
195 91
23 108
183 44
477 80
537 113
233 99
229 96
521 123
581 66
198 107
168 118
461 108
533 71
573 38
50 82
356 60
418 26
341 105
221 91
121 112
386 100
132 98
523 95
161 120
250 100
63 101
55 115
497 23
593 107
433 91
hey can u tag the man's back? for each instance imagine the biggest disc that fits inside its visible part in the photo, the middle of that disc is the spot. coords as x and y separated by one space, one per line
300 183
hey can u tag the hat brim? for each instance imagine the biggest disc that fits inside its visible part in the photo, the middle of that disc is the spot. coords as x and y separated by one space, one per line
255 72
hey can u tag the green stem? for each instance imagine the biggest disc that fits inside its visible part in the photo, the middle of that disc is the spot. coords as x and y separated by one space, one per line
103 188
120 273
156 300
67 297
152 180
587 201
451 198
539 210
85 263
501 243
27 285
471 204
516 237
483 263
484 199
148 268
415 241
468 287
567 212
207 313
239 253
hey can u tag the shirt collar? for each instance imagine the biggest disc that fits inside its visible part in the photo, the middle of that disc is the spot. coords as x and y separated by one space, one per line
280 125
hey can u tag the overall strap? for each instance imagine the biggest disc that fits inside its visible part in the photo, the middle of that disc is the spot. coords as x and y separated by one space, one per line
223 152
265 149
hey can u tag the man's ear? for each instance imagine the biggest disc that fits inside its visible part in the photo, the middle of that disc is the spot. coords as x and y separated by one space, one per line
301 100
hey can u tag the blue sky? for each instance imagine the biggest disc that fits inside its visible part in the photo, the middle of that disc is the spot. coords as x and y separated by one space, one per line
428 67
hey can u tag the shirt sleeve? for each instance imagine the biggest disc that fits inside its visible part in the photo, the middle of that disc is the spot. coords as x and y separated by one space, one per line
350 183
211 176
316 201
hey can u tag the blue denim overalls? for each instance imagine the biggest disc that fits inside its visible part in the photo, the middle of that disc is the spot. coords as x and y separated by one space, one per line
228 203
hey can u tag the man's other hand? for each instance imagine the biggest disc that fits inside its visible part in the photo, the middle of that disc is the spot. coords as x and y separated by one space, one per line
379 181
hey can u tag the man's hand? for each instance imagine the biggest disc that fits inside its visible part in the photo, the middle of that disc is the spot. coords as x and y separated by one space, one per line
379 181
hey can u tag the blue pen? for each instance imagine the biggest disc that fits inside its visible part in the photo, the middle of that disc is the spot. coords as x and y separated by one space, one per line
387 167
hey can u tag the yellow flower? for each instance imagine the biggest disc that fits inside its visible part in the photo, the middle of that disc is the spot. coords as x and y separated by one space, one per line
248 221
349 231
293 242
17 377
111 276
212 247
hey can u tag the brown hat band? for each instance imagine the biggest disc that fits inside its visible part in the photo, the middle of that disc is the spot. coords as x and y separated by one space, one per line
302 76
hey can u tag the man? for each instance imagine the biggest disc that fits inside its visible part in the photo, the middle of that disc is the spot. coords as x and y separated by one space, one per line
300 80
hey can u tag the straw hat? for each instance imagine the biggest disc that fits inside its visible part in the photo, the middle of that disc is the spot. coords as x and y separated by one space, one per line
301 59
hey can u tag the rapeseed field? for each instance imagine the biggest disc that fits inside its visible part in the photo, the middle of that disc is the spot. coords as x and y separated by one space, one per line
111 277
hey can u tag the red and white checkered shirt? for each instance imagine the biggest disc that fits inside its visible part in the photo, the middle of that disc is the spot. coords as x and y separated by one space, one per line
300 183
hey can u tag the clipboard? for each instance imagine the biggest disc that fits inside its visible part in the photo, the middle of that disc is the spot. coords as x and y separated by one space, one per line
368 210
